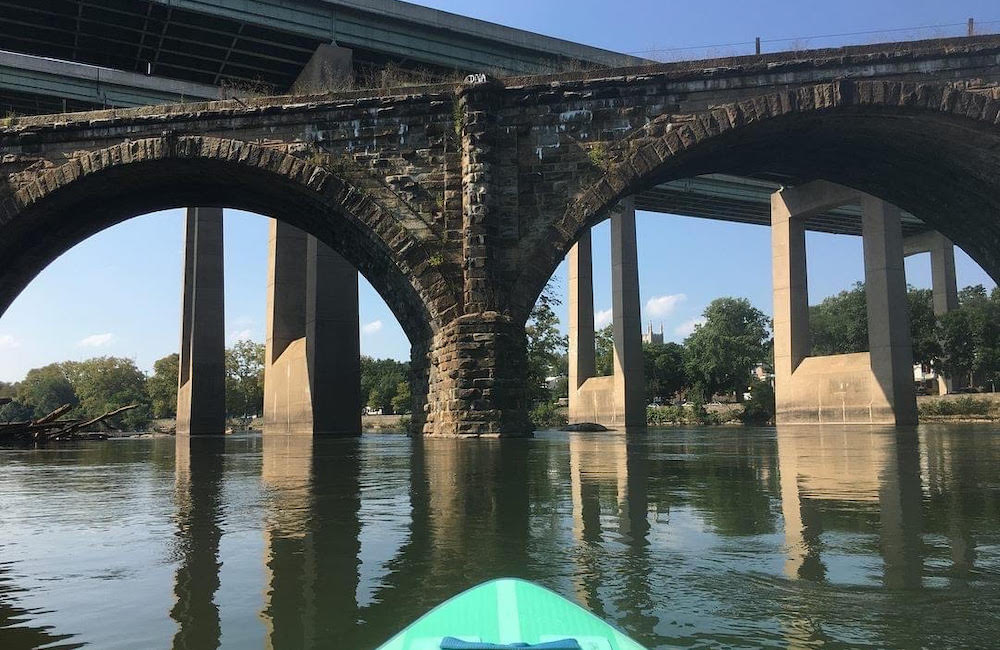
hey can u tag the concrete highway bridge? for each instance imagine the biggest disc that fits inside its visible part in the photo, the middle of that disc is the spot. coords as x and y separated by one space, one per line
458 200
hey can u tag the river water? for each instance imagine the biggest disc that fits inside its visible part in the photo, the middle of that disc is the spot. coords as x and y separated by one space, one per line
682 537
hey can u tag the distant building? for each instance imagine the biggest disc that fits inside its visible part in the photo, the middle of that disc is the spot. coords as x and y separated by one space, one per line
651 337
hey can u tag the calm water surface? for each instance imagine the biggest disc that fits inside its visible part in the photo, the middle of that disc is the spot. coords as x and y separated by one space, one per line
695 537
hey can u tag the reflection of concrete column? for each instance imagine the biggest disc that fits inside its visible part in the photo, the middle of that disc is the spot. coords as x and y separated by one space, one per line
791 504
198 485
900 503
626 325
311 541
312 380
888 321
201 391
791 291
581 320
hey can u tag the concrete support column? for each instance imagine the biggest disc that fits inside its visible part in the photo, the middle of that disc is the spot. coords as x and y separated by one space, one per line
629 389
201 388
943 280
581 320
329 69
945 289
333 340
312 372
888 323
791 290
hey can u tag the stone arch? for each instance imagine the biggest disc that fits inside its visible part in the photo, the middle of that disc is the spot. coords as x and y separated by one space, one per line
932 149
47 211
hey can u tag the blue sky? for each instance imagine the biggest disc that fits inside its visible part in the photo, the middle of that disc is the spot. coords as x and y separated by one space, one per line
119 292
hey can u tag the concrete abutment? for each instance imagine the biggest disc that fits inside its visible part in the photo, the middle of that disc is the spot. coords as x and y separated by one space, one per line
618 400
874 387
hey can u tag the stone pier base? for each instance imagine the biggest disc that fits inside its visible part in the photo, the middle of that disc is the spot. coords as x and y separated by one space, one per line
475 379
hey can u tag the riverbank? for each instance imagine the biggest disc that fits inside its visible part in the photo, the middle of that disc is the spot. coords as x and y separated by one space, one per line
971 407
369 424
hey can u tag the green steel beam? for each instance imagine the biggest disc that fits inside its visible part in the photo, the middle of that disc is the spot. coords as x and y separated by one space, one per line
21 73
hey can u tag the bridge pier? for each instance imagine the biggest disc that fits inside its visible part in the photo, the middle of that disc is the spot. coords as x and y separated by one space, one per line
201 386
874 387
617 400
312 365
943 280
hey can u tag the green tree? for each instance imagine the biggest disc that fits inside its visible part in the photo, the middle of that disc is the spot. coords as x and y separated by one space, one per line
402 401
47 388
245 379
665 371
15 411
380 382
839 324
107 383
545 345
923 327
982 314
604 351
723 351
162 386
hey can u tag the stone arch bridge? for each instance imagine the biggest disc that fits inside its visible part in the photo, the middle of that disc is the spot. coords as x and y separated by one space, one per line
458 202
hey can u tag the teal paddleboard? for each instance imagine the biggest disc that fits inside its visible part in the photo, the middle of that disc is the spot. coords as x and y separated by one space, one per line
509 613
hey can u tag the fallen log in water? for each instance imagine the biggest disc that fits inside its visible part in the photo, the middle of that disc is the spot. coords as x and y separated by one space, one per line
50 428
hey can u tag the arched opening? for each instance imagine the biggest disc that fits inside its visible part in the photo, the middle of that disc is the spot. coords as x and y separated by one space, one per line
929 151
67 204
117 294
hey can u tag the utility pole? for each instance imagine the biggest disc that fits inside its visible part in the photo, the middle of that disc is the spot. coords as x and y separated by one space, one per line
972 27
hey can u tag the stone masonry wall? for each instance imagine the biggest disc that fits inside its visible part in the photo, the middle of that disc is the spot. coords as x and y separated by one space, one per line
476 378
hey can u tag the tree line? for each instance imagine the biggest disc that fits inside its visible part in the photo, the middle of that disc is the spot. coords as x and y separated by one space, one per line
102 384
718 357
734 337
964 343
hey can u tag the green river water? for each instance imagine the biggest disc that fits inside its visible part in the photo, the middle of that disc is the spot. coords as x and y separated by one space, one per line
713 537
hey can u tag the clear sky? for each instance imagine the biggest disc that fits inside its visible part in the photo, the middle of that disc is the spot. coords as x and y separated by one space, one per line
118 293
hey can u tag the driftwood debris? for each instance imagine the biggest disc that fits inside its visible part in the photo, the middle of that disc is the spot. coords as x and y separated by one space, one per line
50 428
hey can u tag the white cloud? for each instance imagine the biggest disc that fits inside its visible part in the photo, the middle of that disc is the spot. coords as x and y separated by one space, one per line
96 340
372 327
241 335
663 306
8 342
687 327
602 318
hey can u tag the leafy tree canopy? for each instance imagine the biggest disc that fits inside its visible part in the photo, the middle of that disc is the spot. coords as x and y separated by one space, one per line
722 352
245 379
107 383
162 386
47 388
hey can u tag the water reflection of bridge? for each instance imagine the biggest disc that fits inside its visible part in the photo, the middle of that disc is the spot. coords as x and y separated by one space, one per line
614 522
